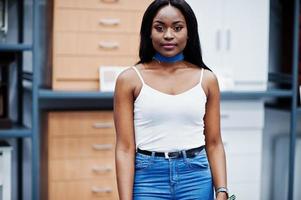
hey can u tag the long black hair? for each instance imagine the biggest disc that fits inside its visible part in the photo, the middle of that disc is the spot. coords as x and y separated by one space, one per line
192 51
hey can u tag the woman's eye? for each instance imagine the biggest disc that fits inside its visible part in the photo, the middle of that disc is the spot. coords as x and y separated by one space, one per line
159 28
178 28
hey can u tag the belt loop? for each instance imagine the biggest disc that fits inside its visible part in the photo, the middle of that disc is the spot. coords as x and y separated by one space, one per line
153 154
184 154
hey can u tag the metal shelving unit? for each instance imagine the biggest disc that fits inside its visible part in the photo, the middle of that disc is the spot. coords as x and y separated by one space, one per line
18 130
294 101
35 171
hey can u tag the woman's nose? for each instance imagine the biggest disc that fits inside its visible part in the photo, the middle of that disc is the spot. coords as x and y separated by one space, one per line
168 34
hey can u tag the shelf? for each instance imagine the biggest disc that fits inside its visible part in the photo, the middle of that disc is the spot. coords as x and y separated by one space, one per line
62 100
50 94
256 94
15 131
68 100
15 47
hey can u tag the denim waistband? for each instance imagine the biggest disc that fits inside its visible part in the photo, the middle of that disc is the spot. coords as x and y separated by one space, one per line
189 153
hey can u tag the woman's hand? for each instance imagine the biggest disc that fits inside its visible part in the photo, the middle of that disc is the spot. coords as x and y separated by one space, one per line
221 196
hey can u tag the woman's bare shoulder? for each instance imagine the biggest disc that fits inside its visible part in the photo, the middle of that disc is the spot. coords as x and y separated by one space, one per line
209 76
210 82
128 78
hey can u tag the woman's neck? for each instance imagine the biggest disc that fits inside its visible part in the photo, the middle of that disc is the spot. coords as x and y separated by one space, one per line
168 60
166 67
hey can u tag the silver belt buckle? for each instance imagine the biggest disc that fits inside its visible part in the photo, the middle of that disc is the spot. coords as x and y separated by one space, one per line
166 155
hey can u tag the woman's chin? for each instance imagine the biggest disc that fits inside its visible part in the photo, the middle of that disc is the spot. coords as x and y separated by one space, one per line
169 53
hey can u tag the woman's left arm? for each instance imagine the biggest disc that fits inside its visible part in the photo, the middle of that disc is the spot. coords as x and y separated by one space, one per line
214 145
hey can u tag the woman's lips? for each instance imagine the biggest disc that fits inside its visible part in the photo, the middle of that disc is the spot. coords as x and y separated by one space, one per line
168 46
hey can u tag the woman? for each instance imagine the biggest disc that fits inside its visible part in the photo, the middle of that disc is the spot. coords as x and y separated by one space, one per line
167 114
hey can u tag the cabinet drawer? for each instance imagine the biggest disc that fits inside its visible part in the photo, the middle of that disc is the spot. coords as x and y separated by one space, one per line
97 21
104 4
82 73
72 43
238 142
244 168
76 169
102 189
242 115
80 123
101 147
86 68
75 85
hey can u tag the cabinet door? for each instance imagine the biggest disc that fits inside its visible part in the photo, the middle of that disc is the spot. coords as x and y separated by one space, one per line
244 162
209 17
243 115
246 42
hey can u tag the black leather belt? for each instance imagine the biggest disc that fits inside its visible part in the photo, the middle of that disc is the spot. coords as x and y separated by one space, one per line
190 153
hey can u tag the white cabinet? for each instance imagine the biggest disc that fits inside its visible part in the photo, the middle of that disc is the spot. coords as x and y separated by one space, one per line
242 125
209 17
242 115
234 41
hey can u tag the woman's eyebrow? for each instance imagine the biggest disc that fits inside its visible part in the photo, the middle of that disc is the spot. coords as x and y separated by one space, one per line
175 22
158 21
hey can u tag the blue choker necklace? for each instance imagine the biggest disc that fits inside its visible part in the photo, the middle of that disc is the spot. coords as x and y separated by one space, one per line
160 58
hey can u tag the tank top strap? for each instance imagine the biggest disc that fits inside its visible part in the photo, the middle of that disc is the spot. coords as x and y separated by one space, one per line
202 72
138 73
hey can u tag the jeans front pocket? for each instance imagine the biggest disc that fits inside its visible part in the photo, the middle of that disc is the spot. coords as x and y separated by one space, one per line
142 162
200 161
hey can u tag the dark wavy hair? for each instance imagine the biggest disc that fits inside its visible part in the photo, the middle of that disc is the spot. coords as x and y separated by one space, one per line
192 51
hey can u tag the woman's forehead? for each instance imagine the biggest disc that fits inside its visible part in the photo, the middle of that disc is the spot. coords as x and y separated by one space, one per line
169 13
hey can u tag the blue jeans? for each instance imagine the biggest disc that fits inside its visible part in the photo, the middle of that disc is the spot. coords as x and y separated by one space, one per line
157 178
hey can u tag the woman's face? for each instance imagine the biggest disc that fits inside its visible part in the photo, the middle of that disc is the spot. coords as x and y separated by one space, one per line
169 31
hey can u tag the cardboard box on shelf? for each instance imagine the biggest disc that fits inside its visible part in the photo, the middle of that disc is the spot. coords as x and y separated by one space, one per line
108 76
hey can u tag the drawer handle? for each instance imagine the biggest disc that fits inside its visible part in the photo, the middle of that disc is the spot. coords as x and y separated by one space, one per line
109 1
102 125
109 22
101 190
102 147
108 45
224 116
98 169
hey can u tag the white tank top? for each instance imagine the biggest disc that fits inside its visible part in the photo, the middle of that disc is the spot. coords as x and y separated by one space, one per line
165 122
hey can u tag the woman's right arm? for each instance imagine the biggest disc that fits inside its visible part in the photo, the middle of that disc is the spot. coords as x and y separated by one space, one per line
125 140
